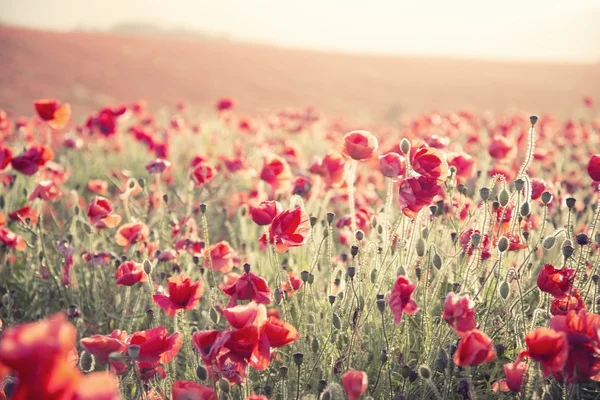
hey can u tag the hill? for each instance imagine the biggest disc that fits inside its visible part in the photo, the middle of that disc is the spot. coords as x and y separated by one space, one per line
90 69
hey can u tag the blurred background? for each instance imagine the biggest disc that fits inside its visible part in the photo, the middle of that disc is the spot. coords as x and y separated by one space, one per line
378 59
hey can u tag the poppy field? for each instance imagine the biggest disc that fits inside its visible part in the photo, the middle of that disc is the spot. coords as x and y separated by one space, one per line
211 254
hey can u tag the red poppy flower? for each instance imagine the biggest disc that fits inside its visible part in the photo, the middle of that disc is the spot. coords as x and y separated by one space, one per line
289 228
429 162
401 299
292 284
129 273
538 186
274 333
359 145
131 233
245 315
515 375
355 384
100 214
466 243
502 147
25 213
331 168
242 341
50 110
203 173
226 103
106 120
208 343
464 164
102 345
276 172
392 165
6 156
232 367
415 193
248 287
459 312
98 186
264 213
475 348
593 167
156 345
221 256
30 161
183 295
185 390
158 166
45 190
561 305
12 240
557 282
548 347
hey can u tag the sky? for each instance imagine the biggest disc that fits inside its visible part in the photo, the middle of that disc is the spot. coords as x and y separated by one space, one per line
561 30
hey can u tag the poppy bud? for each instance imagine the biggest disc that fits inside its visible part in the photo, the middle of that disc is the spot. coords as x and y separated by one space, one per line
381 305
456 287
525 209
405 371
314 345
304 276
335 320
546 197
582 239
418 272
283 370
595 278
567 249
475 239
86 362
2 202
311 278
203 208
165 198
437 261
201 373
405 146
425 372
351 271
412 376
326 396
496 205
420 246
224 385
277 296
383 357
354 251
373 275
433 209
441 362
533 119
504 290
519 184
116 356
484 193
570 202
214 315
268 390
133 350
359 235
460 187
379 229
548 242
331 299
597 238
247 268
313 221
147 267
502 244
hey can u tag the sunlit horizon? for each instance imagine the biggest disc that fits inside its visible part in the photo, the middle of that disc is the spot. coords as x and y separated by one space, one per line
536 30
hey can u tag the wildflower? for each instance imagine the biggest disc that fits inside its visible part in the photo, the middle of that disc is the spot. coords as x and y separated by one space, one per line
55 114
183 295
475 348
355 384
401 299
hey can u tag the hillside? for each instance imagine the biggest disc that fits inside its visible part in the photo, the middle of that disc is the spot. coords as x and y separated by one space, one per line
90 69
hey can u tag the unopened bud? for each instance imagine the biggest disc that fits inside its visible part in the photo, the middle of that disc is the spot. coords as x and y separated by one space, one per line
335 320
298 358
133 350
570 202
147 267
330 217
359 235
504 290
201 373
381 305
420 246
425 372
224 385
548 242
525 209
405 146
567 249
437 261
519 184
502 244
351 271
503 197
484 193
86 362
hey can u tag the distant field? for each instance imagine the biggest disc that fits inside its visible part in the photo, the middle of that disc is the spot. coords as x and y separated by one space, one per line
91 69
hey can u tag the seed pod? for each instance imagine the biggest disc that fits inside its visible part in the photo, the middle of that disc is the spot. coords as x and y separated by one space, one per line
548 242
519 184
533 119
311 279
582 239
354 251
504 290
546 197
424 233
570 201
314 345
567 249
405 146
359 235
133 351
503 197
298 358
441 362
475 239
381 305
500 349
214 315
502 244
331 299
330 217
321 385
335 320
304 276
525 209
203 208
86 362
351 271
420 246
484 193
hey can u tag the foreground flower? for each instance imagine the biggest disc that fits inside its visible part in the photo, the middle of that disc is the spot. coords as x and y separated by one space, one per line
131 233
475 348
290 228
187 390
183 295
30 161
359 145
515 375
459 312
416 193
355 384
221 257
156 345
102 345
264 213
401 299
557 282
548 347
129 273
55 114
248 287
593 167
429 162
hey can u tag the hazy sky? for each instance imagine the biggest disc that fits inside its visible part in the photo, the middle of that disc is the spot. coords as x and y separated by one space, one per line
566 30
